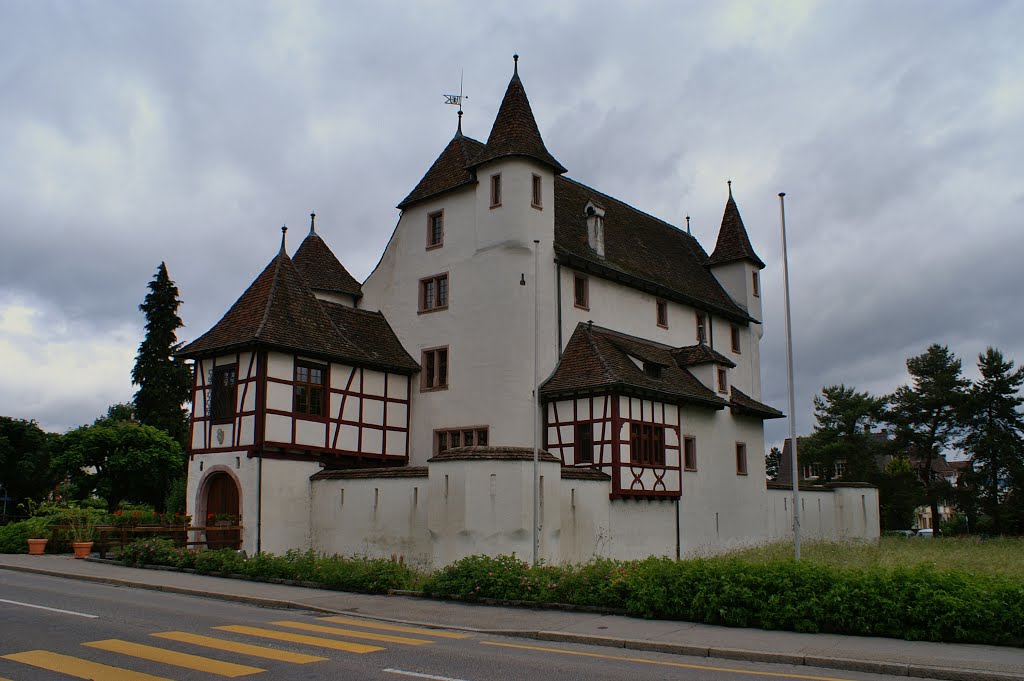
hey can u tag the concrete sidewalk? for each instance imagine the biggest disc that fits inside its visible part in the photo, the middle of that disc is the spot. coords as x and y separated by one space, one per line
880 655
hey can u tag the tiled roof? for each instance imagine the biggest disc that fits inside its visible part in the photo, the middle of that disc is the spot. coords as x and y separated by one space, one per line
371 332
515 131
733 243
493 454
448 171
597 359
693 355
350 473
321 269
744 404
640 250
580 473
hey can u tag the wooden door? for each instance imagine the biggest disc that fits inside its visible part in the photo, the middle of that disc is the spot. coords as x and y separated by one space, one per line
222 497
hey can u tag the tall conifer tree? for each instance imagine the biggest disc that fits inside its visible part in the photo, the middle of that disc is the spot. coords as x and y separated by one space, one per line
164 382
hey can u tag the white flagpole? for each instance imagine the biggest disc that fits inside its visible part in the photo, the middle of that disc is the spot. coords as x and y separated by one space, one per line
792 408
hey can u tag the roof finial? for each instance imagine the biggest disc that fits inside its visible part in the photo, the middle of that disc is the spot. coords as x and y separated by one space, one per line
284 231
458 133
688 224
515 67
312 223
729 182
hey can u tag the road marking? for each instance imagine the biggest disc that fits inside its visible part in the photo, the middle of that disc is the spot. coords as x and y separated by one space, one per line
154 654
43 607
422 676
81 669
236 647
369 624
299 638
352 633
748 672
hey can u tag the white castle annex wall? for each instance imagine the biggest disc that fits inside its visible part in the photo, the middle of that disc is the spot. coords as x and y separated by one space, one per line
833 513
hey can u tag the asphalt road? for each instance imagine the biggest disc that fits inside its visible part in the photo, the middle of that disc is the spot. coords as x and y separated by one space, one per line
52 628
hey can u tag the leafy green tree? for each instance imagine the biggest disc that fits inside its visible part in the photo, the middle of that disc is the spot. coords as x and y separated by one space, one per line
24 460
116 413
995 434
900 491
841 435
119 461
772 461
164 381
927 415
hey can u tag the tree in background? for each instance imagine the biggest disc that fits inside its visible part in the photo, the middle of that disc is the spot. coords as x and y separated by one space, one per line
841 435
164 382
24 461
928 414
995 438
900 492
118 413
772 461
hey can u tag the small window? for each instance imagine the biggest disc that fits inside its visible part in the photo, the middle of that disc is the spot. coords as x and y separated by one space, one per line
435 230
661 308
741 459
223 392
495 190
723 380
690 453
585 442
581 292
434 293
434 373
755 284
735 339
652 369
535 199
702 328
460 437
647 444
309 388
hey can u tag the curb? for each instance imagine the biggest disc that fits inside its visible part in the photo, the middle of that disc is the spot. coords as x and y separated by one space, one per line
823 662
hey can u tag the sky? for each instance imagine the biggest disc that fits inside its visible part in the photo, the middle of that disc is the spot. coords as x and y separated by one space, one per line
189 132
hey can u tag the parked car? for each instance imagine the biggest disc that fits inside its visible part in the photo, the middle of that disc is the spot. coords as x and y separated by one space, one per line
925 533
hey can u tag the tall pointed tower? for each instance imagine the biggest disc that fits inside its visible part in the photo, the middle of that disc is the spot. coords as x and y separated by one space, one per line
734 262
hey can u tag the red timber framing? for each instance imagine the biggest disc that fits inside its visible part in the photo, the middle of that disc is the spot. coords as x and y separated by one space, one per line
611 420
246 379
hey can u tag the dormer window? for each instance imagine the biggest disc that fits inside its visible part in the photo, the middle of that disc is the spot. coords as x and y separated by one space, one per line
653 370
595 227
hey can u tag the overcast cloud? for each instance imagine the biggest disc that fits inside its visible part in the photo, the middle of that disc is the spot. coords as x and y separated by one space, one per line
188 132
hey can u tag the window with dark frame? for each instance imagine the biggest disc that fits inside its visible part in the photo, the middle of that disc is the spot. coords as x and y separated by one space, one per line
460 437
310 380
223 392
756 284
581 294
702 328
735 336
647 444
495 190
723 380
435 229
535 198
652 369
741 459
585 442
661 311
434 293
434 375
689 453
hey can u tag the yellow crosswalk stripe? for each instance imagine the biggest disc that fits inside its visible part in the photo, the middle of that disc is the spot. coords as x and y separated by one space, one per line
236 647
371 624
79 668
171 657
300 638
352 633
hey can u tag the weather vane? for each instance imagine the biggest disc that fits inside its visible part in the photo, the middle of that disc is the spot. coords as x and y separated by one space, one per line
456 100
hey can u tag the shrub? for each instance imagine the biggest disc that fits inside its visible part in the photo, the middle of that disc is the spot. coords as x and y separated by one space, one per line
14 536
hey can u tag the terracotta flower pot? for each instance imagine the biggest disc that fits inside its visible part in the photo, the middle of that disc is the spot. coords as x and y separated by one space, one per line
82 548
36 547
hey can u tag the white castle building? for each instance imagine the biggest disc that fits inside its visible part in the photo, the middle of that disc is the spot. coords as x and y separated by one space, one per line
397 417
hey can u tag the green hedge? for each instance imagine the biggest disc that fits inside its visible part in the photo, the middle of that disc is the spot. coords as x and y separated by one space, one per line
14 536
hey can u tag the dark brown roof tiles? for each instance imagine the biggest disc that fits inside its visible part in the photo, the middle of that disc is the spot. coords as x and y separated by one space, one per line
321 269
742 403
733 243
448 171
694 355
372 333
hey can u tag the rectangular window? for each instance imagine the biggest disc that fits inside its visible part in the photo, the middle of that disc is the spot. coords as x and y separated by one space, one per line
735 339
661 311
495 190
581 293
223 392
755 284
535 199
470 436
690 453
585 442
434 293
741 459
653 370
434 373
435 230
310 380
702 328
723 380
647 444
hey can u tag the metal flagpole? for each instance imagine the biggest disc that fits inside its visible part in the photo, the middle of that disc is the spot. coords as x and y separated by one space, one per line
792 407
536 415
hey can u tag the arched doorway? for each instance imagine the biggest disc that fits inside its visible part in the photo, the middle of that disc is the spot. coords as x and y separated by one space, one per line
222 498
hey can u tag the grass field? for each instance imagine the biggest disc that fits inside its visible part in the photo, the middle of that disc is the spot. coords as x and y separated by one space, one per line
989 556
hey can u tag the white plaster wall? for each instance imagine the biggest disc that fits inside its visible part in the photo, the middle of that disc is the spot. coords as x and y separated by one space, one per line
585 531
286 504
379 517
835 514
638 528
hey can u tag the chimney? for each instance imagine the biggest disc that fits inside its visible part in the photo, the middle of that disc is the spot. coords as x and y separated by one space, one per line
595 227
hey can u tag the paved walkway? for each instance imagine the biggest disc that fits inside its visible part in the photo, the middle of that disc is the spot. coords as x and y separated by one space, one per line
957 662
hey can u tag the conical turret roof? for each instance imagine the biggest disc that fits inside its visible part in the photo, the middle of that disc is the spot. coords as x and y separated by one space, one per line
448 171
321 270
733 243
515 131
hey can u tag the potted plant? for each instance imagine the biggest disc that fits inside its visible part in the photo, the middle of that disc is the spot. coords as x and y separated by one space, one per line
37 528
81 524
